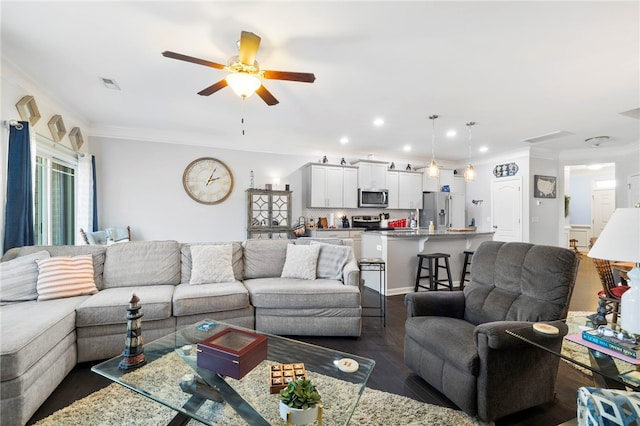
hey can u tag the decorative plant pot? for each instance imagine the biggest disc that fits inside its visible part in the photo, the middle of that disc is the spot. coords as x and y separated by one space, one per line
298 416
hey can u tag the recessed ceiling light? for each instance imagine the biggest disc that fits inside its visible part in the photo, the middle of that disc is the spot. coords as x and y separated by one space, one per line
378 122
344 140
451 133
483 149
110 83
407 148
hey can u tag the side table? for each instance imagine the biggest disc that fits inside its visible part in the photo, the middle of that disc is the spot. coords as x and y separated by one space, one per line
376 265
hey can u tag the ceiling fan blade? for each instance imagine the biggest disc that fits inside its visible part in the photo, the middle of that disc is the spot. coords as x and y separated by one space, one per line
267 96
181 57
249 44
213 88
305 77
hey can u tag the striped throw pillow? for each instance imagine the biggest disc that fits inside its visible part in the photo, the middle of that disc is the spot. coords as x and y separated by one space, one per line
64 276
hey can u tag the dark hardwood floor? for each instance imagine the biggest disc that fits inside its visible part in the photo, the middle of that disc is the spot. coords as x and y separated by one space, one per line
385 346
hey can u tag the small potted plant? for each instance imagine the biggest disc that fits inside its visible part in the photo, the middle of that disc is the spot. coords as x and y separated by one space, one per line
300 398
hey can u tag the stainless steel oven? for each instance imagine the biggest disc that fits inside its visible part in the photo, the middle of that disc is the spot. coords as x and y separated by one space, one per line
373 197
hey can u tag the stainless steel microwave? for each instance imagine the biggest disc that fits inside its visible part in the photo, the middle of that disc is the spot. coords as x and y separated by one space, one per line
373 197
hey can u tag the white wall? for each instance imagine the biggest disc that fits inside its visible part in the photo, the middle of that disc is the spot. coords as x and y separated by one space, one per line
543 218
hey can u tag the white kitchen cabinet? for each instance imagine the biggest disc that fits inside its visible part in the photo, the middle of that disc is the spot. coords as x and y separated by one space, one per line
409 190
446 178
459 185
371 174
350 188
327 186
429 184
392 186
405 189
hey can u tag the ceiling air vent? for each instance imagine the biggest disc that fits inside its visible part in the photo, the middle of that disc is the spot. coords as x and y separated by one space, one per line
110 83
548 136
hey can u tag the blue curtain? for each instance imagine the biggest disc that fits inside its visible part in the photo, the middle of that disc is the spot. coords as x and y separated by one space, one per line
18 231
95 194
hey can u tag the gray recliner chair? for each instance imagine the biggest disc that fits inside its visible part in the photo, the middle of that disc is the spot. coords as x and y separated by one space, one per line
456 341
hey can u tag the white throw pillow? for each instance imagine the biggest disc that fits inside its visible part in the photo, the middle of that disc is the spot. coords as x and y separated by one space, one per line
211 264
64 276
18 277
301 262
332 259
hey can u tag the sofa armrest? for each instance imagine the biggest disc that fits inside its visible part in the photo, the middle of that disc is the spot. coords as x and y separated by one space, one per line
494 334
351 274
436 303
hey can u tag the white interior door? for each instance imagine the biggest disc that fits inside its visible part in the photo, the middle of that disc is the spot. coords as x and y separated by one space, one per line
603 203
506 208
633 196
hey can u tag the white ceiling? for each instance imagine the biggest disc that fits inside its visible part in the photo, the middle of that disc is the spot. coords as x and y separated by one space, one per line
518 69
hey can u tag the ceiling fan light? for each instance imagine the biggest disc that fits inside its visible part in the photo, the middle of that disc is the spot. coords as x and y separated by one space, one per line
469 173
243 84
434 169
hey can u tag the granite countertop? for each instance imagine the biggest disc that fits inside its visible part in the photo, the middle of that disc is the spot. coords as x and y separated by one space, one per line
421 233
338 229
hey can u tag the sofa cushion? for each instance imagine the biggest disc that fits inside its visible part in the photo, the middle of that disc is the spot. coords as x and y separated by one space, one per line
65 276
301 262
331 260
98 253
19 277
31 329
140 263
186 261
264 258
205 298
297 293
109 306
211 264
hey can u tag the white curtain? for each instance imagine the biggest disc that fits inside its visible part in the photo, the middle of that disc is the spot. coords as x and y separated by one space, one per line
84 217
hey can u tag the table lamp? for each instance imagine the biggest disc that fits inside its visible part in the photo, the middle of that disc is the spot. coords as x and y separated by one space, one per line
620 241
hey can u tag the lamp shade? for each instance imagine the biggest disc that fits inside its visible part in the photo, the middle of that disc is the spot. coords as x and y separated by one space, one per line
620 238
243 84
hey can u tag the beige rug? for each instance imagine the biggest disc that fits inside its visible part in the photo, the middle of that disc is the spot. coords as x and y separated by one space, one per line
116 405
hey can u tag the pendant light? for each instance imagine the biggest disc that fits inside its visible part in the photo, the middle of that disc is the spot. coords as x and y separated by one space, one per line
434 169
470 173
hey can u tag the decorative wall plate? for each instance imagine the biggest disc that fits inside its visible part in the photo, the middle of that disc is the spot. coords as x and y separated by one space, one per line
502 170
75 136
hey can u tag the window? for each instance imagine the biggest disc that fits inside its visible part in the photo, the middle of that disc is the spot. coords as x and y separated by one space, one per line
54 196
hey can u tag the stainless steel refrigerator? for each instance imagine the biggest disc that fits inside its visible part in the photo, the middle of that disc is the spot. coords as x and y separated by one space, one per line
445 209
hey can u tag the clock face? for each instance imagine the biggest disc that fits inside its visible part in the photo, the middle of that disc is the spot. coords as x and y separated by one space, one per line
208 180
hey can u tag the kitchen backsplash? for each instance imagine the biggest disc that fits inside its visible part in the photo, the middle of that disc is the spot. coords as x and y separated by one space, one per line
338 213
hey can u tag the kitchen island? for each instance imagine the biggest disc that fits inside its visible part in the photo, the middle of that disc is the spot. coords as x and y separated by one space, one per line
399 249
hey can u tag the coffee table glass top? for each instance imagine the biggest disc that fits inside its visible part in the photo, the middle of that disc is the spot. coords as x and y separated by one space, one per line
611 368
171 364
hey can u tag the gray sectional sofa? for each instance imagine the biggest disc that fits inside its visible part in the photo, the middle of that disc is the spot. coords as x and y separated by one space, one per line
41 341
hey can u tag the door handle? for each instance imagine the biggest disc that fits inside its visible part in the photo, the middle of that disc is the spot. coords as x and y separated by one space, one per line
495 226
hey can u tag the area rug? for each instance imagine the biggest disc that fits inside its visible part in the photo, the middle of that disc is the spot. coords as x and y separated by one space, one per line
116 405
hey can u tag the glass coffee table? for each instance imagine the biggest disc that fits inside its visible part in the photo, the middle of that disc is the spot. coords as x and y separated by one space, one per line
172 378
609 371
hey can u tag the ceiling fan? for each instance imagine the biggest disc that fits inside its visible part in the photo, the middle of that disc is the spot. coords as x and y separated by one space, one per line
244 71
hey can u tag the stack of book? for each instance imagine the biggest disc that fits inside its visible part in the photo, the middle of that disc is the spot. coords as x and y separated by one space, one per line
631 350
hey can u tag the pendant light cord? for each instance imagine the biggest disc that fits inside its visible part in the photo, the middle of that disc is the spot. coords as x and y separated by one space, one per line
433 136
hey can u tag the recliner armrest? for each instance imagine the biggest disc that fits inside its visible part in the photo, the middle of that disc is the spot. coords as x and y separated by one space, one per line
497 338
449 304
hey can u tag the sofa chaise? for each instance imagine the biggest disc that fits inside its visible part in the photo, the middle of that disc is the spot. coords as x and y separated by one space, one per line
274 286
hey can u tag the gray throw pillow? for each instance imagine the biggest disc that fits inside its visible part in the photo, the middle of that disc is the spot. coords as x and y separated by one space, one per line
19 277
301 262
331 260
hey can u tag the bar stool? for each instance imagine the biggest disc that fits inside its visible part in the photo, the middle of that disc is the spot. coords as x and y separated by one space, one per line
468 254
433 266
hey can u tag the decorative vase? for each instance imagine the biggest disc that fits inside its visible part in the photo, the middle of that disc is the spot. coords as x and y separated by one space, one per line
298 416
630 303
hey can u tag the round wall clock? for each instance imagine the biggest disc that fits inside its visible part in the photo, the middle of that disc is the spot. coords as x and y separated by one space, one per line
207 180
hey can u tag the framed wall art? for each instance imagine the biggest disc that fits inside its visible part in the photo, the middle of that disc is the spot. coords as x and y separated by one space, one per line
544 186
